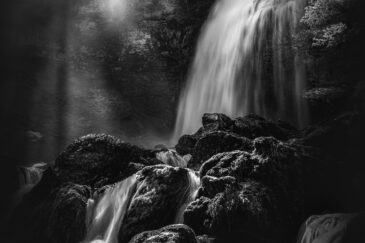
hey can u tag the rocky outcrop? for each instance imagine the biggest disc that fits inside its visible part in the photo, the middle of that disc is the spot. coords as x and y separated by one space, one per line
59 217
221 134
177 233
161 191
272 162
253 126
217 142
259 181
254 196
99 159
241 212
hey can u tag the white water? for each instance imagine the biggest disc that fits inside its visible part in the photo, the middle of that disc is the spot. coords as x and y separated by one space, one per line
171 157
105 215
194 183
230 73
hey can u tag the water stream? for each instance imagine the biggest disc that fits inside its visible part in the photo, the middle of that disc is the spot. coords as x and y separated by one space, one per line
105 214
244 63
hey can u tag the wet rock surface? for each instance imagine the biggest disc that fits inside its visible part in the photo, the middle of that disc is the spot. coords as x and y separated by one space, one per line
173 234
259 181
241 211
236 184
282 171
220 133
161 190
99 159
59 217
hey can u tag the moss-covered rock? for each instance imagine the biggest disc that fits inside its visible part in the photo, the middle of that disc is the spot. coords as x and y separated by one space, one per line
177 233
100 159
161 191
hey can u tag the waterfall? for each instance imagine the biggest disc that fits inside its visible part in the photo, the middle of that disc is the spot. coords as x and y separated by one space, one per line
171 157
105 212
244 63
192 189
105 215
28 177
31 175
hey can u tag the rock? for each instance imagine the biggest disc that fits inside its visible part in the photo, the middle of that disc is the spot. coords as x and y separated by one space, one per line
186 144
336 136
339 228
272 171
216 122
205 239
271 162
341 139
211 186
217 142
161 191
253 126
100 159
220 134
177 233
59 217
211 123
245 212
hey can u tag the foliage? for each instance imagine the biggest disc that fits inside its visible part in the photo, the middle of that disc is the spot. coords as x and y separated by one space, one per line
325 25
175 43
176 37
331 34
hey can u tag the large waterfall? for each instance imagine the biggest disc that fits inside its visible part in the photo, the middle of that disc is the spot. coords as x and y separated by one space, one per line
245 63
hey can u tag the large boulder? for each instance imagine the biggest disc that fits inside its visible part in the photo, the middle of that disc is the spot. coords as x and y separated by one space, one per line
58 217
253 126
177 233
236 183
99 159
221 134
211 123
217 142
241 212
331 228
161 191
216 122
274 163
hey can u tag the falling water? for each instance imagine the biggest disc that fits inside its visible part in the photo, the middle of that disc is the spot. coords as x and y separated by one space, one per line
171 157
28 177
244 63
192 189
105 215
31 175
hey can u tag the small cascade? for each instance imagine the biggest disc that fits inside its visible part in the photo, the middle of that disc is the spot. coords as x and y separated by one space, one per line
31 175
105 214
28 177
192 189
171 157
